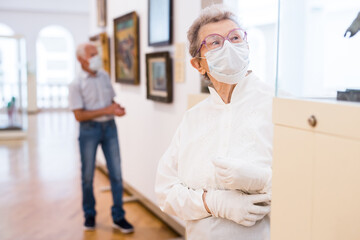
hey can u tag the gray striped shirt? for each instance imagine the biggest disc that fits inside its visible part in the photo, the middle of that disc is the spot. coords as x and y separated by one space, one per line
91 93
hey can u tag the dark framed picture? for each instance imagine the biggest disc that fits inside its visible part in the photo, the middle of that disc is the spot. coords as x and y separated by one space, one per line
102 42
204 84
101 13
126 41
160 22
159 77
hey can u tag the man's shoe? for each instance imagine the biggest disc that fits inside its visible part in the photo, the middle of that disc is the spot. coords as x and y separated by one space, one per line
124 226
89 224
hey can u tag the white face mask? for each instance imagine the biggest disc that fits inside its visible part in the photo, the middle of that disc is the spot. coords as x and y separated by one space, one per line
95 63
230 63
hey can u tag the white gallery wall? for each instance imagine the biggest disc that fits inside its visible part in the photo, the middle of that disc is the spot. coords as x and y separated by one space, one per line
147 129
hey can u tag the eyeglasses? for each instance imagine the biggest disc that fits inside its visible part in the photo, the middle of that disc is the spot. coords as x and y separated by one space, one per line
214 41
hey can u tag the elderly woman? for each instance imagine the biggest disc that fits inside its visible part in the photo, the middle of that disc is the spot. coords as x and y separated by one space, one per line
216 173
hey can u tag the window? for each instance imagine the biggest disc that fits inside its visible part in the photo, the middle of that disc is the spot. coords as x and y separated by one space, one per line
5 30
259 18
55 66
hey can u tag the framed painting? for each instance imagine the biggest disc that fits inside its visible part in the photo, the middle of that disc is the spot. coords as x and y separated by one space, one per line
126 41
102 42
204 84
159 77
160 22
101 13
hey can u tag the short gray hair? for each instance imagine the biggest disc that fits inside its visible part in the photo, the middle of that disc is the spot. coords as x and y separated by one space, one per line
81 48
211 14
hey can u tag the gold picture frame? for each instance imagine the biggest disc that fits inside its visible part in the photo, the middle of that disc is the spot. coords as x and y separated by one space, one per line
126 41
102 42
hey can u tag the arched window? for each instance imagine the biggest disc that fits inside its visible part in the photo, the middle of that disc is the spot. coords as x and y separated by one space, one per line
5 30
55 66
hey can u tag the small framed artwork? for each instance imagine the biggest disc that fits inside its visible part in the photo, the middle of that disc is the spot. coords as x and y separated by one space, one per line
126 41
159 77
101 13
160 22
102 42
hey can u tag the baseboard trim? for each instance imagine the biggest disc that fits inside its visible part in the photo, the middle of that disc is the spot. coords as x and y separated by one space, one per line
177 227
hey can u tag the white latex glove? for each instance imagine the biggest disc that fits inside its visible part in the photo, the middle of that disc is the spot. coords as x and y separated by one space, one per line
241 175
236 206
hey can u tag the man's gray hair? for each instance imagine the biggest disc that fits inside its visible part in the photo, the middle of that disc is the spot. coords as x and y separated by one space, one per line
81 48
211 14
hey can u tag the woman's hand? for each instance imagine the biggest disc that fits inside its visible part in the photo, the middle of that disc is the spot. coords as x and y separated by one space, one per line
241 175
238 207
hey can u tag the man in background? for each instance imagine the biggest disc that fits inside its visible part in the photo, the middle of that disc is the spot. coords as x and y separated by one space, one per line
91 99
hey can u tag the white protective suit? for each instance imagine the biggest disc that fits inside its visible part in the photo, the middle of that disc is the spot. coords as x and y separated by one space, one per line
239 131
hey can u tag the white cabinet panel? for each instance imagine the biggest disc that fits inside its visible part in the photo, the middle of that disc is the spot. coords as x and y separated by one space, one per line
316 171
336 196
292 184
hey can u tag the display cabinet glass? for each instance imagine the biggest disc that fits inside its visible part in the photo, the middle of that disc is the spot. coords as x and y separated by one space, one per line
316 59
13 90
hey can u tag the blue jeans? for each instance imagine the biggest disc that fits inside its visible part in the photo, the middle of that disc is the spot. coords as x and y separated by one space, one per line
91 135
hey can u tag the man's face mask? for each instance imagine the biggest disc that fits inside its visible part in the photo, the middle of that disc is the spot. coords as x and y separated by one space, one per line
95 63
